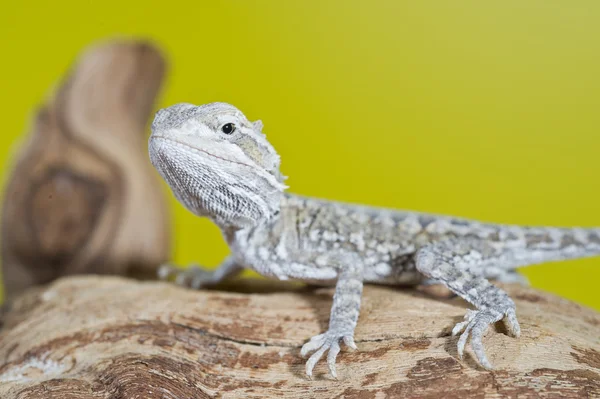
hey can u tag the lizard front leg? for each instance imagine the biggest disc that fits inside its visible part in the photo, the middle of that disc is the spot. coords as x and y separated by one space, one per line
197 277
459 264
343 318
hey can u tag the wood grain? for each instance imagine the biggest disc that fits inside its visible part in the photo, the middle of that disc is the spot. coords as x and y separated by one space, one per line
110 337
82 196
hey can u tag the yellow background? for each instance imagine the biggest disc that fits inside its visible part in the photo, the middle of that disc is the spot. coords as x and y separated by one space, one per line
482 109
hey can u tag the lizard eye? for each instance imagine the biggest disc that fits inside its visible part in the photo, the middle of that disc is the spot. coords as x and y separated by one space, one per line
228 128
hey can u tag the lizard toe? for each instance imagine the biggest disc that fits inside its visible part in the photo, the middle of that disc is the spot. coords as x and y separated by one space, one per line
332 356
199 277
477 345
512 324
314 343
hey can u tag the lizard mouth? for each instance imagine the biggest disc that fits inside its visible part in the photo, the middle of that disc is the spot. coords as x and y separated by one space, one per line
194 148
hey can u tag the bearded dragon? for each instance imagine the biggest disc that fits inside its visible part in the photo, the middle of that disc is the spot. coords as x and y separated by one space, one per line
220 165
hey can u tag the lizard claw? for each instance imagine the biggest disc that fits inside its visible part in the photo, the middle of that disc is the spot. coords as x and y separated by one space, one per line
476 324
512 324
322 343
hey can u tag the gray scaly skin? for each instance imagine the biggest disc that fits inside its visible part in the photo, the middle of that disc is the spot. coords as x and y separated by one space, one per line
220 165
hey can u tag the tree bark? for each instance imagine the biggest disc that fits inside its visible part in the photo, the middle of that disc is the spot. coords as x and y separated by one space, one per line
83 197
110 337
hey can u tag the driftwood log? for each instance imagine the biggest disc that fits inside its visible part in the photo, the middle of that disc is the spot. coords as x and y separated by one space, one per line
83 197
110 337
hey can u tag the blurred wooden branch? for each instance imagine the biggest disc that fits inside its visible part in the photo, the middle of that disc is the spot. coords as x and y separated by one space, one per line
83 197
109 337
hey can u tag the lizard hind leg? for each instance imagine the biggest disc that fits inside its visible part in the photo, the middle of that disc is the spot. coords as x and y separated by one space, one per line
458 264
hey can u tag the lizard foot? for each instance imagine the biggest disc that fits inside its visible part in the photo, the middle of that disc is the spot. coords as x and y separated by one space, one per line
475 325
323 342
192 277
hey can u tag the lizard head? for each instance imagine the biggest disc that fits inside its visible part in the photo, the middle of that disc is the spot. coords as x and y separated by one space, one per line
217 163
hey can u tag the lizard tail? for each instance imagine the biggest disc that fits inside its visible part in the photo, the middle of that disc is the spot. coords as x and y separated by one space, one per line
554 244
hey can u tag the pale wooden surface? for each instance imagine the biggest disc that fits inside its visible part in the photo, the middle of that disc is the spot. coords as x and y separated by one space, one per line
109 337
83 196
